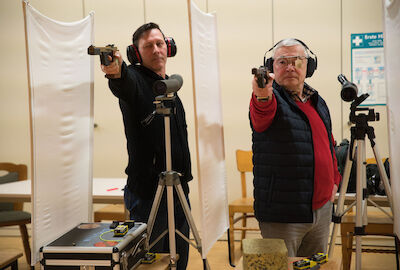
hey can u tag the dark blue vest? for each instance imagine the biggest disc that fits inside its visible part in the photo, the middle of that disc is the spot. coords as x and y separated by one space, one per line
283 158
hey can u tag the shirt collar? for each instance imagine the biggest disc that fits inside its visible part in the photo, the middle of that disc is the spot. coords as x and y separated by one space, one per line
308 91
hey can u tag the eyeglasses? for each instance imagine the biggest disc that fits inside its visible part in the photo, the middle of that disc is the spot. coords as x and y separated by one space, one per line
284 61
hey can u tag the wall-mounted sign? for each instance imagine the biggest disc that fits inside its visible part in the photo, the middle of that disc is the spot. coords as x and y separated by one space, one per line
368 67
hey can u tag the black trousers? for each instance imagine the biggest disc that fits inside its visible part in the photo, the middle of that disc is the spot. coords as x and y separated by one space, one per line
140 210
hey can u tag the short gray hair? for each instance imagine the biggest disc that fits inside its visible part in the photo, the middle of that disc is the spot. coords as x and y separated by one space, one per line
288 42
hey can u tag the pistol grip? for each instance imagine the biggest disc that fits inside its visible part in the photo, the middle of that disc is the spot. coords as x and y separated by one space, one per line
104 58
266 78
261 75
261 81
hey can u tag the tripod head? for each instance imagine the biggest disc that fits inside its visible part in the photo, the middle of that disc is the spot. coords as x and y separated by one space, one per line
165 97
349 93
361 128
165 91
361 118
165 105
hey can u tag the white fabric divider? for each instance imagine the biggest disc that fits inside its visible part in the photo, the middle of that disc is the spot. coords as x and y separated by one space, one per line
61 85
212 182
391 9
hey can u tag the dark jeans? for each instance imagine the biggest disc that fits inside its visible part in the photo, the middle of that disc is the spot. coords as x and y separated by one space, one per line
140 210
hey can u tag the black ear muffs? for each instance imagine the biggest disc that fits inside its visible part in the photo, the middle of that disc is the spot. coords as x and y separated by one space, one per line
311 62
269 64
311 66
134 56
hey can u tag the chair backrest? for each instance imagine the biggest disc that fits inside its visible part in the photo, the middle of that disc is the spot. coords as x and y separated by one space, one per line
244 161
22 174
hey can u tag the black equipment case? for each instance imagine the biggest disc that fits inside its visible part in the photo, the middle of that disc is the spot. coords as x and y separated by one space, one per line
93 246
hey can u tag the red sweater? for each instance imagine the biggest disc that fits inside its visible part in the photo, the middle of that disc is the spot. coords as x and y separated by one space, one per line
325 169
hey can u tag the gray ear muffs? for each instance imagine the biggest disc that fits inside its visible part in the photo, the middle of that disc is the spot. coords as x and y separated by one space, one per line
311 63
134 56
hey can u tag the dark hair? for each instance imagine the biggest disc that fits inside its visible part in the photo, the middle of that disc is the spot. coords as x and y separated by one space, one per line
144 28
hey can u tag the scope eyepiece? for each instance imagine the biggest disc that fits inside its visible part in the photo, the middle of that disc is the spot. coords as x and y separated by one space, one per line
171 85
349 90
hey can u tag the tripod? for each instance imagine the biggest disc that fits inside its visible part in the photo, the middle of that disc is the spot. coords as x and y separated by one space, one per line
170 179
358 133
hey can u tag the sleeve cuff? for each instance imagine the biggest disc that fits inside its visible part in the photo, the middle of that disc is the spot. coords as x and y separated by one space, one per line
123 72
261 104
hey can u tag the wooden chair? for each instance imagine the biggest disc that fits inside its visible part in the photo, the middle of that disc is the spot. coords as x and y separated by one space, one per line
242 206
116 212
11 214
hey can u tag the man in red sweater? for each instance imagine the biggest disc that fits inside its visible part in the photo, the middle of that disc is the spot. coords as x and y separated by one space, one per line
295 170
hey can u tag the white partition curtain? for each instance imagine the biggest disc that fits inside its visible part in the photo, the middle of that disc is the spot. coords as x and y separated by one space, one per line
212 176
61 80
391 9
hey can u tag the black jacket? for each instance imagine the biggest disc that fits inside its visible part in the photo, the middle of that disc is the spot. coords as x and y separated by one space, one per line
146 142
283 158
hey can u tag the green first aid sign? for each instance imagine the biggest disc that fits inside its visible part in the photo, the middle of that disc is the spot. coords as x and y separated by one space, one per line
367 40
368 66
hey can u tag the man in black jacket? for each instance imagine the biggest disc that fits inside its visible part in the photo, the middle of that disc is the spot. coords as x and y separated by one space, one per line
145 134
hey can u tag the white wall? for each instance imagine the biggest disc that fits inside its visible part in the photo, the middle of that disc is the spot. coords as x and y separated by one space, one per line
246 29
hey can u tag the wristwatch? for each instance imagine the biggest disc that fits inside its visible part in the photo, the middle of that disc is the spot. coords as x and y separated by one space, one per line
262 99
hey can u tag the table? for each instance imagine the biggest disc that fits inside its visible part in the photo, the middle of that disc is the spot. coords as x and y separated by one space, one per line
351 197
9 258
378 224
105 190
332 264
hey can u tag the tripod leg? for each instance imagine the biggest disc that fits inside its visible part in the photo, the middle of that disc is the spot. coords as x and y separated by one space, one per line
171 226
189 218
382 172
364 182
337 216
185 207
206 266
396 245
153 213
231 250
361 201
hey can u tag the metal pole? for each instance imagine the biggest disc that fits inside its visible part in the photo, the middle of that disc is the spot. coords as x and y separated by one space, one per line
359 202
382 172
340 203
170 196
170 179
